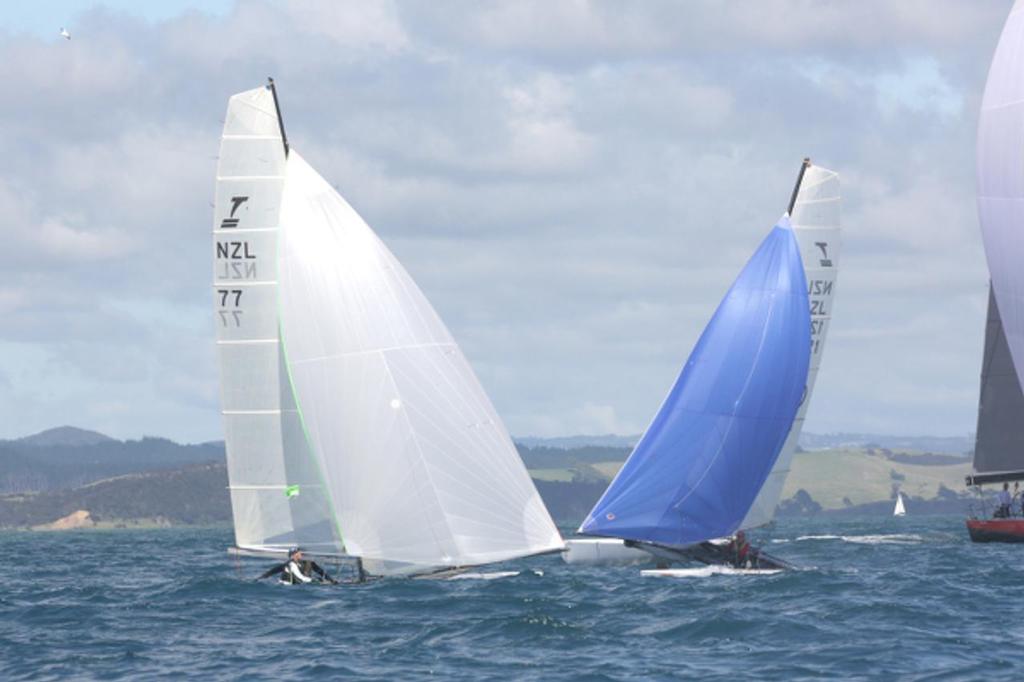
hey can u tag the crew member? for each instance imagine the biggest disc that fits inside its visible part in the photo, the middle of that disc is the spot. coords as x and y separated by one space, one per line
743 554
1003 509
298 571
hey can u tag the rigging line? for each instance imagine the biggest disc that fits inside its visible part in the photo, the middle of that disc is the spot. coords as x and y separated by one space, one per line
370 351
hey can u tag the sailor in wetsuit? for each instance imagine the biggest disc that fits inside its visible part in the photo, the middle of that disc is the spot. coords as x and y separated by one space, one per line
743 555
296 571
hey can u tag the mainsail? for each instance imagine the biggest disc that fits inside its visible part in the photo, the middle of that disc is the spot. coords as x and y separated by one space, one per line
703 460
999 442
276 496
379 416
815 220
998 449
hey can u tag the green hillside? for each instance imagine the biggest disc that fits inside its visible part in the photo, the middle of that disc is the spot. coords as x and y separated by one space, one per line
861 477
841 477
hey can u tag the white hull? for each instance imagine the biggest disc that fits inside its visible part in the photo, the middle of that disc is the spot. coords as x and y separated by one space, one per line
602 552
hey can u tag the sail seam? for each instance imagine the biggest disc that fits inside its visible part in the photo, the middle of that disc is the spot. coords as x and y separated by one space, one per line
335 356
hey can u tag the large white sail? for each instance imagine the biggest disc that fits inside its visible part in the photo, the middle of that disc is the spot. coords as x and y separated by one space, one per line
276 496
420 468
815 221
1001 180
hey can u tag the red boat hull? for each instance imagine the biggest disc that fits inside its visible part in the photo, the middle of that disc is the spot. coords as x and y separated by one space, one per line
996 530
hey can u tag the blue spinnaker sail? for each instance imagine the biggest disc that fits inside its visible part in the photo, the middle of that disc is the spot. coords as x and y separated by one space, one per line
699 466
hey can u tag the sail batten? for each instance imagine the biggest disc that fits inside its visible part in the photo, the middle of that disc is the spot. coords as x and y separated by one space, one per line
275 496
999 439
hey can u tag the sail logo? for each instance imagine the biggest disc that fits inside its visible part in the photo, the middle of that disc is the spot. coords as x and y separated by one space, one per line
231 221
825 261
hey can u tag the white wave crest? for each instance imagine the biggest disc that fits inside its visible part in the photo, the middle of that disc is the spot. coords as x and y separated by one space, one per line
890 539
705 572
492 575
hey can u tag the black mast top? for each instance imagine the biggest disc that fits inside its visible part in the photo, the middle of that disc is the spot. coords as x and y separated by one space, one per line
280 121
792 200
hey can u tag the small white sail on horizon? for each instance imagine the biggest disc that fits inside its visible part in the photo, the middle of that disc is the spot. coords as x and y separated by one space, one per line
899 510
353 423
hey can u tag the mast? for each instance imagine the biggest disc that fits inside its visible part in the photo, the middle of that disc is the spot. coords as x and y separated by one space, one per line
792 199
280 121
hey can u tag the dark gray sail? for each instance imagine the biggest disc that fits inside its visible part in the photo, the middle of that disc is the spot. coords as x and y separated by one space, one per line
999 445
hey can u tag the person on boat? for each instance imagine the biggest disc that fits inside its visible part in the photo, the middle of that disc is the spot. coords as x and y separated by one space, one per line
743 554
297 571
1004 502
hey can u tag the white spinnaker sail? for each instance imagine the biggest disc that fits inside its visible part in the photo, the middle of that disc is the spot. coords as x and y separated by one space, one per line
815 223
420 467
276 496
1001 180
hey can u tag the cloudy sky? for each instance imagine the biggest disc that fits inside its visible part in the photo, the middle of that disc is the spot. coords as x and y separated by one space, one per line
573 184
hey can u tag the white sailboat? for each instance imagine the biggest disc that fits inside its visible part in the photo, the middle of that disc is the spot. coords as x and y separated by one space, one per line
814 216
999 441
354 425
899 509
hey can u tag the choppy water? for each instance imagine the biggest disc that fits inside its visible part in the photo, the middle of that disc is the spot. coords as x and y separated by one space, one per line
909 598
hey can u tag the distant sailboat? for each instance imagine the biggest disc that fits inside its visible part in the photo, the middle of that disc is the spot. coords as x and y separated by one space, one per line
899 509
698 470
354 425
999 443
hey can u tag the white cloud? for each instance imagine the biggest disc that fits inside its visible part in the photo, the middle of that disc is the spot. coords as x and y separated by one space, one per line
573 184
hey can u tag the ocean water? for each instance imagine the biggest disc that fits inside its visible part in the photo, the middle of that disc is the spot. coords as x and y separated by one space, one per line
907 598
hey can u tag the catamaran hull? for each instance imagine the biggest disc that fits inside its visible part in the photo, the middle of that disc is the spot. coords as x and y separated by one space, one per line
603 552
996 530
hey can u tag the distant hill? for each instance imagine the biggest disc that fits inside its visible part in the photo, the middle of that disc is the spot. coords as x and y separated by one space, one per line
197 494
65 435
59 472
191 495
572 442
948 445
951 445
39 464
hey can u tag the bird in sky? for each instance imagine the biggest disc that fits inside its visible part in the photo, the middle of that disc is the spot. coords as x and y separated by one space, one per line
64 33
